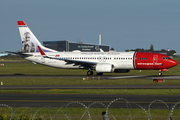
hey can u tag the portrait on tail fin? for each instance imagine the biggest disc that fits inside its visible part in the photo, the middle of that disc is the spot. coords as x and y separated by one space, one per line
28 46
29 40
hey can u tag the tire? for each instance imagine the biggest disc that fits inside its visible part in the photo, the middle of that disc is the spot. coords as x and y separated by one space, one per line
99 73
89 72
160 74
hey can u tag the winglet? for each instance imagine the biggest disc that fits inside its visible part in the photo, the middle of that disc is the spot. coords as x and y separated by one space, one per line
101 50
41 51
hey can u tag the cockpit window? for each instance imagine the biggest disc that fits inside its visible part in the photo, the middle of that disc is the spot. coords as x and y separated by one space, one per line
166 58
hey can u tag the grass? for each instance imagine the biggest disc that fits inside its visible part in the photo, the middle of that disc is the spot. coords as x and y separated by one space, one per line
100 91
77 113
57 81
80 81
12 67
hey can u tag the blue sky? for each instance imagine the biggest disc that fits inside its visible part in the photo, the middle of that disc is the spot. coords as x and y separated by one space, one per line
123 24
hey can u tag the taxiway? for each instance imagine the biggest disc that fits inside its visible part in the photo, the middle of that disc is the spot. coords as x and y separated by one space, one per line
59 100
92 77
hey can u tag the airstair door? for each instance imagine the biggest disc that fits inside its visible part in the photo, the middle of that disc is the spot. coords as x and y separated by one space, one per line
42 59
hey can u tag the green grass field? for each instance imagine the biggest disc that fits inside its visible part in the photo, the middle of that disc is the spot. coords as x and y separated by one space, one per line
22 67
28 68
77 113
100 91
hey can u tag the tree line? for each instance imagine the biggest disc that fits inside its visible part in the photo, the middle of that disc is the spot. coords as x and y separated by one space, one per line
150 50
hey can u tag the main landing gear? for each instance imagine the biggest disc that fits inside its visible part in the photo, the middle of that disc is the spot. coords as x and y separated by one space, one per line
89 72
99 73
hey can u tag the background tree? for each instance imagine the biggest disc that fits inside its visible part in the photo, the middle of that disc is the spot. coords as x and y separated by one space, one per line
138 49
112 48
172 51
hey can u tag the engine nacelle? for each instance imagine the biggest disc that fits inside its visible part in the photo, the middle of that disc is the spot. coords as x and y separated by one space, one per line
121 70
104 67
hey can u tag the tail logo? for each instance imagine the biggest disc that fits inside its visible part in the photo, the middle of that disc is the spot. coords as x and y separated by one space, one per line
28 46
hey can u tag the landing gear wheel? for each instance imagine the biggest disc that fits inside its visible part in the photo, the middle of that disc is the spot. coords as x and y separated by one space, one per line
89 72
160 73
99 73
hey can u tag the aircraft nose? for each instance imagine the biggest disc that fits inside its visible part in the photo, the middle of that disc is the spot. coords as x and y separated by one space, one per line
173 63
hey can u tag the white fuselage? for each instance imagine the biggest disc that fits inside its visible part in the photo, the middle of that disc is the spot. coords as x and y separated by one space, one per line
120 60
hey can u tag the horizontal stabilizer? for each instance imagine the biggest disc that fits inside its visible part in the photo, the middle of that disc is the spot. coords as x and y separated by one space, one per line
19 53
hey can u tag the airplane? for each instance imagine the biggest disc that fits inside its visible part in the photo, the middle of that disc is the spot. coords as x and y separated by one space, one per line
101 62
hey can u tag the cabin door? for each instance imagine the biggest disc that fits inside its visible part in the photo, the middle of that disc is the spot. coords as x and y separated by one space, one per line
42 59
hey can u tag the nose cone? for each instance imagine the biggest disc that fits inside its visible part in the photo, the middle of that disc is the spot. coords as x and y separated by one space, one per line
173 63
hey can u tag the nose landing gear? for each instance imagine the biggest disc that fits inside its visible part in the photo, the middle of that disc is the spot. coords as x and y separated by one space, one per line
160 73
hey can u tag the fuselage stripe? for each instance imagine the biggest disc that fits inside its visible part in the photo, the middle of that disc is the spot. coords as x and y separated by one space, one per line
22 26
134 60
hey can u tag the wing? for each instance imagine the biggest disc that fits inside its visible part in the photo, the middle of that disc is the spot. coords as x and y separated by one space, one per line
84 64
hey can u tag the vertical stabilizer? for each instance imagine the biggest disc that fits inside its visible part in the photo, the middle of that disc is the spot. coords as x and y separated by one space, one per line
29 41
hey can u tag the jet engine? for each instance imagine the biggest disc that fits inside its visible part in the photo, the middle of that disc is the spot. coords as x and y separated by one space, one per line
104 67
